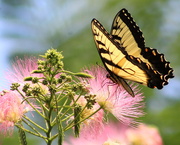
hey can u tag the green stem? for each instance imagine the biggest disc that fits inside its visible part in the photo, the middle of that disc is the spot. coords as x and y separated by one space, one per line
65 113
59 112
48 120
35 109
22 137
48 126
35 134
33 124
59 123
71 124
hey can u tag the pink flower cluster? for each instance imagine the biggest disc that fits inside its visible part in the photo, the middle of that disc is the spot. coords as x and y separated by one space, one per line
120 134
22 68
11 103
111 98
12 110
114 98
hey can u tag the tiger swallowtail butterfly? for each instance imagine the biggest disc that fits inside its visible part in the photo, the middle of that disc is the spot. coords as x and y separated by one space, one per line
125 56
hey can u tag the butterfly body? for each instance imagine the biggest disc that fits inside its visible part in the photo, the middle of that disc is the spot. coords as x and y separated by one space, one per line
125 56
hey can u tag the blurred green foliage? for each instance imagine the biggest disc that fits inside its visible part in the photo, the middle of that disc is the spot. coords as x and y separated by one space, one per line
74 38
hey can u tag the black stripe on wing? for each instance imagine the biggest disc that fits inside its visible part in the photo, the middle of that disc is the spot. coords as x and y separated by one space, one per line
156 80
126 17
158 62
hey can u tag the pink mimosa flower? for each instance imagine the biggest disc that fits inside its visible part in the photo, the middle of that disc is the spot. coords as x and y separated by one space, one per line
119 134
11 106
12 110
22 68
144 134
93 125
114 98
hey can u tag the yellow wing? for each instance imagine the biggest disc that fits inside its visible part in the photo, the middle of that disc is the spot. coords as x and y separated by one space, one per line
114 57
125 31
129 36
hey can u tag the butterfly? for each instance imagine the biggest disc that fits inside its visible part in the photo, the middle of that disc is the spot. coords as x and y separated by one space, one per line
125 56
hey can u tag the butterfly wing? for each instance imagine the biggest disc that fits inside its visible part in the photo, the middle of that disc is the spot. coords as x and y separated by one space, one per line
116 60
125 31
129 36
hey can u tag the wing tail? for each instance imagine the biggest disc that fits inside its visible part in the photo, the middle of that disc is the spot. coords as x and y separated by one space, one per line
126 86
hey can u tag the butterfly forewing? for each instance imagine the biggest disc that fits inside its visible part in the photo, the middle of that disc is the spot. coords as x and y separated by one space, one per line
125 31
114 57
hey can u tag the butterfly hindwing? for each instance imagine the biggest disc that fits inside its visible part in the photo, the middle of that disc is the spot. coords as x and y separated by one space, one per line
158 62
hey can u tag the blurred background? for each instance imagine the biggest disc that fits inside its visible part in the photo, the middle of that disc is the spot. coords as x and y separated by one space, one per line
31 27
